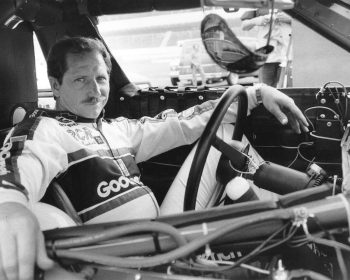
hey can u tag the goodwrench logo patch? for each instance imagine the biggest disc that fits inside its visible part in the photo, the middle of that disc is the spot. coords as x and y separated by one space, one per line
104 189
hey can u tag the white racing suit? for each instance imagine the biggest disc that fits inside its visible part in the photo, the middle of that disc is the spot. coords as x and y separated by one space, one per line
95 161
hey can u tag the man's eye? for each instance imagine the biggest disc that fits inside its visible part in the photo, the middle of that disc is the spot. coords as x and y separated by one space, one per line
102 78
80 80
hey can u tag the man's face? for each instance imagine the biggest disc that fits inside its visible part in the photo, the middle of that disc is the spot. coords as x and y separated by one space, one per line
84 89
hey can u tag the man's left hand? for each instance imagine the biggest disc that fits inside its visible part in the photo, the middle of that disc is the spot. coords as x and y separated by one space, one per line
284 109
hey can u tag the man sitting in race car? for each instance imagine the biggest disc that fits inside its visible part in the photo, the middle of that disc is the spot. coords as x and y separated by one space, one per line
93 158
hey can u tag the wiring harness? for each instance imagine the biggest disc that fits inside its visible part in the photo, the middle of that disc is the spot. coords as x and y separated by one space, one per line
187 250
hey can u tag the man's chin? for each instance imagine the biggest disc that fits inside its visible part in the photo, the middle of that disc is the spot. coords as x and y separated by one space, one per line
93 112
90 114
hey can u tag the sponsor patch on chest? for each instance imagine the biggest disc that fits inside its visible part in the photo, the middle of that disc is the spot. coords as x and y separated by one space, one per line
98 139
104 189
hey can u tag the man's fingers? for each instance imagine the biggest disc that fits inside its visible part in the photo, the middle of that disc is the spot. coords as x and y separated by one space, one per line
18 238
300 121
296 118
42 260
303 127
279 115
287 118
294 123
2 271
9 258
299 115
26 254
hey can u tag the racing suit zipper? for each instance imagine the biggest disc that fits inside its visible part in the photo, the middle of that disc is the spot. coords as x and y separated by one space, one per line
117 161
104 137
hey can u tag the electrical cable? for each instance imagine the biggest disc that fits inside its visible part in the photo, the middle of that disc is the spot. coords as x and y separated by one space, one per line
302 273
255 252
339 255
345 94
312 133
298 241
177 253
334 82
324 137
317 108
293 161
299 154
312 161
325 86
338 116
341 261
338 103
284 240
329 243
205 265
335 98
117 232
230 263
251 254
285 147
347 209
259 248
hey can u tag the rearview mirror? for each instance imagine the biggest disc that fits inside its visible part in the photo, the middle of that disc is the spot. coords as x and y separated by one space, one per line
227 50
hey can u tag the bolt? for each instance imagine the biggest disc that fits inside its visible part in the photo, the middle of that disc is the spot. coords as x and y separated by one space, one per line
280 273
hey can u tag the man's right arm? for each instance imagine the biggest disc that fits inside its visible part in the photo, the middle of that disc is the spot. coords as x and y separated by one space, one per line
28 161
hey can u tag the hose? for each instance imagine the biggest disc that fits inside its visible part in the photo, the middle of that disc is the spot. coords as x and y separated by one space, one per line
180 252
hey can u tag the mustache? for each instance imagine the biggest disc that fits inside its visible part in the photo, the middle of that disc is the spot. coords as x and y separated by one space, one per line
94 99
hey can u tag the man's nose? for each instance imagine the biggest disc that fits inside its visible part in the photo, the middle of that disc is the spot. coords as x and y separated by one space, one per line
95 88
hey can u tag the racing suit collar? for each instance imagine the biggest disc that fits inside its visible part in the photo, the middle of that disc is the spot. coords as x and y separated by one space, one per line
76 118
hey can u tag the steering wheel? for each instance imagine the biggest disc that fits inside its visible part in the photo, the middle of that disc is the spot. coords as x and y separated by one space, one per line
209 139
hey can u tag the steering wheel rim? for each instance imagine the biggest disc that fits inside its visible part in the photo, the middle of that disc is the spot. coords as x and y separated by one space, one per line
208 137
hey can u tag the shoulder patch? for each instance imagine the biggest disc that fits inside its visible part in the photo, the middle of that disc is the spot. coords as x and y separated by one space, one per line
19 138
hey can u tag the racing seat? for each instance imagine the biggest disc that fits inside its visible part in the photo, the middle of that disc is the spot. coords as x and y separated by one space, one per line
57 197
16 116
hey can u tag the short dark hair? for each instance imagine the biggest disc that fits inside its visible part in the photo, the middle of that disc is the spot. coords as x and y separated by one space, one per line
57 62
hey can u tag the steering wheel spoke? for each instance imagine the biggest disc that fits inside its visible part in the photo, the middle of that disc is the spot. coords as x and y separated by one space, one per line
232 153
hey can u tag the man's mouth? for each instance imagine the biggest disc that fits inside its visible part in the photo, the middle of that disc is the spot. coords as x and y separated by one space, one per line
94 100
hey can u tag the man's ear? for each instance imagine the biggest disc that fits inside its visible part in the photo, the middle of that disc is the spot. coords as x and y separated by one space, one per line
55 86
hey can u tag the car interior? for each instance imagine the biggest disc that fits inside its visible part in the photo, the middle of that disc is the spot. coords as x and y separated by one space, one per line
265 240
